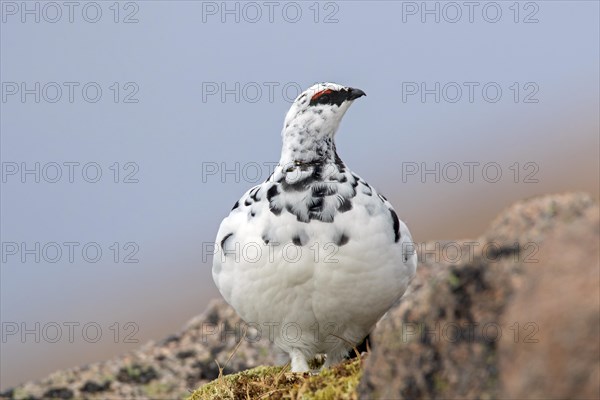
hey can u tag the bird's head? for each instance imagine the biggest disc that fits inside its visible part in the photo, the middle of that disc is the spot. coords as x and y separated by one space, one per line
321 107
316 113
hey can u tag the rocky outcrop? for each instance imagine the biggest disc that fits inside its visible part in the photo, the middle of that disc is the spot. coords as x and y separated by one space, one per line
559 356
473 326
169 369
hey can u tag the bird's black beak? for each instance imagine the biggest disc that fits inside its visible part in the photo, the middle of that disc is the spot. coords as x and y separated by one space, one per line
355 93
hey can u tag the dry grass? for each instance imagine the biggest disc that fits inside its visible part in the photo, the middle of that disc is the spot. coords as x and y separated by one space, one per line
339 382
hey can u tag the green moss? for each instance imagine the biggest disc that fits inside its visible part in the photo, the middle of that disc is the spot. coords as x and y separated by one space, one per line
552 210
453 280
20 394
263 351
156 390
339 382
440 384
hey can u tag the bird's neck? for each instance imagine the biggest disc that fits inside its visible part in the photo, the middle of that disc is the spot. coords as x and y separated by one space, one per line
307 147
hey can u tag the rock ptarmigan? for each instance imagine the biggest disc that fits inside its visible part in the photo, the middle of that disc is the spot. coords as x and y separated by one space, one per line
314 256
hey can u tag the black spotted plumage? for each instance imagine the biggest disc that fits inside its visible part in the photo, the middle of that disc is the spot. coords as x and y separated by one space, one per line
321 180
317 204
275 210
323 190
302 184
345 205
319 187
396 225
254 193
342 240
271 194
339 163
366 189
266 239
224 240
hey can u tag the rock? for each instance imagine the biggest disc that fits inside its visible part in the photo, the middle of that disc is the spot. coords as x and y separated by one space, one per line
171 368
557 354
136 374
94 387
442 339
58 393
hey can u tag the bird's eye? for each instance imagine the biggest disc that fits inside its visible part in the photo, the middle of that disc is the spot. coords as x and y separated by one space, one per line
324 99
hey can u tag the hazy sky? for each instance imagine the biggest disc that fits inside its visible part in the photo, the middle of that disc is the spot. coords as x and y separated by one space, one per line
144 122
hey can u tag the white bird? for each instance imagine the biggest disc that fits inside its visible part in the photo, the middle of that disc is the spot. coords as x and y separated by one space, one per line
313 256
